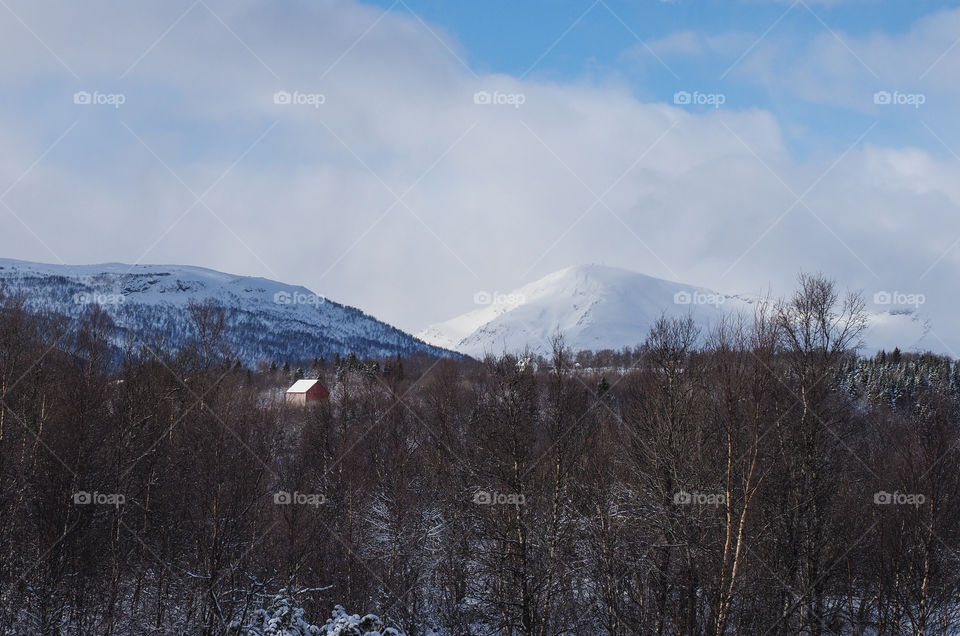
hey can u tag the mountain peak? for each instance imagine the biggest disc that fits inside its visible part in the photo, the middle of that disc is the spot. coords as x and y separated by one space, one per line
601 307
595 306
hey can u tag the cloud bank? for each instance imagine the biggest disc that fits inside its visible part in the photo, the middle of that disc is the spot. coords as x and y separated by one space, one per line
357 152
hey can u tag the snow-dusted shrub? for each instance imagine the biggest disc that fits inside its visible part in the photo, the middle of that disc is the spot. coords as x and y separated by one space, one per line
284 617
344 624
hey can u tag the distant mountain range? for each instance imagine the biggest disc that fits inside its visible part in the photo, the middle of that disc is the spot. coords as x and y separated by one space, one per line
598 307
595 307
267 320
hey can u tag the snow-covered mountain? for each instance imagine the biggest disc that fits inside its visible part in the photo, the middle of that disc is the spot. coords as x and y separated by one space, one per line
267 320
598 307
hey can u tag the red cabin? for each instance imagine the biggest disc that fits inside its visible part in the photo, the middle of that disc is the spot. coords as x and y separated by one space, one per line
306 391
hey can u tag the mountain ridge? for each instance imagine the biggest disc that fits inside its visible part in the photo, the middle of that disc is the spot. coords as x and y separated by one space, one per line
267 320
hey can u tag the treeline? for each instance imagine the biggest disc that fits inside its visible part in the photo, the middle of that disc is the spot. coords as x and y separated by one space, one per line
759 479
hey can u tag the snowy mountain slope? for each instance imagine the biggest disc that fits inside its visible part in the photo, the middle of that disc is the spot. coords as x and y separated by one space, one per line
903 328
268 320
598 307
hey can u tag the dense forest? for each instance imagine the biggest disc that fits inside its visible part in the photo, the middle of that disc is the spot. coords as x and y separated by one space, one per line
762 478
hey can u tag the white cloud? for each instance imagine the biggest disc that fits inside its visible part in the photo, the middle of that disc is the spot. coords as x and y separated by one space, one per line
494 189
691 44
679 43
845 69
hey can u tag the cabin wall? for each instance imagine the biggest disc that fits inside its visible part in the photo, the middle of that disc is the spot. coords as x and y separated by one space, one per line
296 398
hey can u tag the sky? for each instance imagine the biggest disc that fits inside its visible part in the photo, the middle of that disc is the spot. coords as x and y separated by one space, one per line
400 156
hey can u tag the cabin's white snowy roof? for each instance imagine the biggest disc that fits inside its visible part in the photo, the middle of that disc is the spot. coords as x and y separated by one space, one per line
301 386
